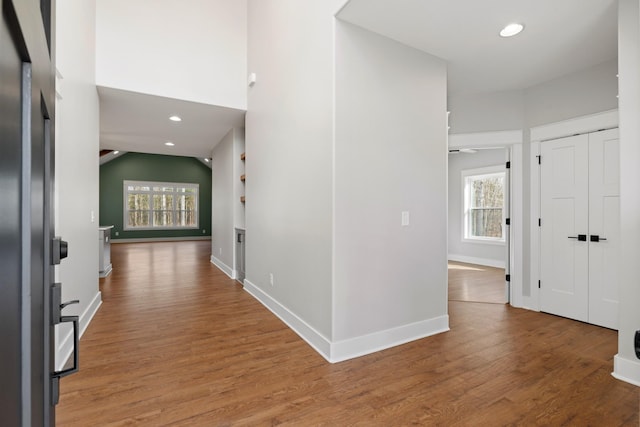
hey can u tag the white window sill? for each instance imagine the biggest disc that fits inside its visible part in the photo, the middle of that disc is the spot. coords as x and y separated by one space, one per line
484 242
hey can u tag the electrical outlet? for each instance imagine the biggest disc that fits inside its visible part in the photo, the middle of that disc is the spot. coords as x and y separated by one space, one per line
271 279
204 231
220 251
117 233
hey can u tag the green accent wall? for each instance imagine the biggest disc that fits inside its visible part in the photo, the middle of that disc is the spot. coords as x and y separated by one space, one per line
152 167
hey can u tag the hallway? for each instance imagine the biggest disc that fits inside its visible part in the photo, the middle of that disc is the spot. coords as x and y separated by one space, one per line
176 342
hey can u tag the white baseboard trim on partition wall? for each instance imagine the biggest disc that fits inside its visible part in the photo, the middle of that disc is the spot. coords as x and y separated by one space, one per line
314 338
224 267
65 348
377 341
626 370
340 351
478 261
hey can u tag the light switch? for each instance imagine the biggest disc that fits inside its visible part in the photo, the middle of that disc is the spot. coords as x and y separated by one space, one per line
405 218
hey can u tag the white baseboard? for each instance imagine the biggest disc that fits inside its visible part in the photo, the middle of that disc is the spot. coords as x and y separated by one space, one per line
65 348
340 351
478 261
314 338
224 267
159 239
377 341
626 370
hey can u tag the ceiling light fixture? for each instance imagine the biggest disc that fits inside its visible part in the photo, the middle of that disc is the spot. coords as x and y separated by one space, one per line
115 152
175 119
169 144
511 30
206 160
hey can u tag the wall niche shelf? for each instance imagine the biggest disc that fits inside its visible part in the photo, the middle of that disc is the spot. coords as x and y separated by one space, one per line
242 177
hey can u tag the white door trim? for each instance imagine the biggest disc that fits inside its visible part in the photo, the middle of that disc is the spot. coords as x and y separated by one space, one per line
512 140
578 125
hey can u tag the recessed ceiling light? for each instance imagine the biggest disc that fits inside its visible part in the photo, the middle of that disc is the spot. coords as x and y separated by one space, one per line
206 160
511 30
175 119
115 152
169 144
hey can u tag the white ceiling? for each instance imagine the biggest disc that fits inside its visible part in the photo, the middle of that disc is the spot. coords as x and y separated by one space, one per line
131 121
560 37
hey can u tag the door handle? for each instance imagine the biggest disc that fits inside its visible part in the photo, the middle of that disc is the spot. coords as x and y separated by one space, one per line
596 238
76 346
579 237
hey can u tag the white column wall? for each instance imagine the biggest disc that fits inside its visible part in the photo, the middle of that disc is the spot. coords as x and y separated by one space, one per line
76 164
390 281
626 364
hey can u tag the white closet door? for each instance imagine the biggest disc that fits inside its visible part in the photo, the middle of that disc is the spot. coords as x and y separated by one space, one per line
604 223
565 220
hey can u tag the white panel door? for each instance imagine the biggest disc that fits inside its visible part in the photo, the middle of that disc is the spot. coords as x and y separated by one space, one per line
604 227
565 220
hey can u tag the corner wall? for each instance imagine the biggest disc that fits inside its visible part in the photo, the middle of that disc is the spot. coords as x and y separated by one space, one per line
390 157
289 163
76 164
626 364
222 215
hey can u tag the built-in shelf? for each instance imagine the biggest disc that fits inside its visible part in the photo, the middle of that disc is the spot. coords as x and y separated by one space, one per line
242 177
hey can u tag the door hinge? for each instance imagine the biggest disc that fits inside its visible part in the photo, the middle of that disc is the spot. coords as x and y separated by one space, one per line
539 284
539 222
508 278
508 221
539 159
508 165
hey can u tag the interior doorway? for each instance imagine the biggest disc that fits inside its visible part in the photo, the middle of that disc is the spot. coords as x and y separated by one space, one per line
479 232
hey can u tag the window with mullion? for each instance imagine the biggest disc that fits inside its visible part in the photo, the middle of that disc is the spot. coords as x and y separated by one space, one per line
484 204
152 205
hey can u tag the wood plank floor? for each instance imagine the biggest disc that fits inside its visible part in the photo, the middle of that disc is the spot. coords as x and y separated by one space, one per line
178 343
476 283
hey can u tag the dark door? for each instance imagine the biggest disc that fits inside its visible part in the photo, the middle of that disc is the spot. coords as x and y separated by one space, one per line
27 97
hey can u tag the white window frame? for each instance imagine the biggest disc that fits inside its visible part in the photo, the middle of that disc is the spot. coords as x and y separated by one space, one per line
466 201
151 192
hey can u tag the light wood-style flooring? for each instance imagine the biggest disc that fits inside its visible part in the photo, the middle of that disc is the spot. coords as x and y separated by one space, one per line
176 342
476 283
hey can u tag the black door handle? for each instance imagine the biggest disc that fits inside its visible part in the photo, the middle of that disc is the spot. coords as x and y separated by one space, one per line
596 238
579 237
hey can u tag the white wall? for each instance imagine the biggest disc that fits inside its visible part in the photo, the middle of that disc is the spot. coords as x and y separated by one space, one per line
289 137
194 50
479 253
626 365
390 157
76 163
585 92
222 199
578 94
486 112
